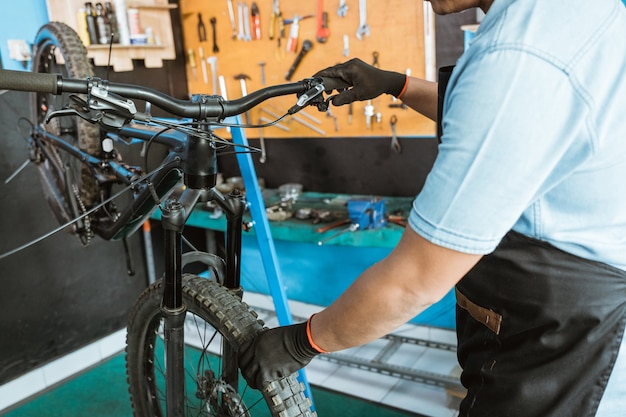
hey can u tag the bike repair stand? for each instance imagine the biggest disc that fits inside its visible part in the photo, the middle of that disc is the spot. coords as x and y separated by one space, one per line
256 205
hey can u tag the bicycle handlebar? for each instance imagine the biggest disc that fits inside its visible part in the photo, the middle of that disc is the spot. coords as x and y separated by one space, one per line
209 106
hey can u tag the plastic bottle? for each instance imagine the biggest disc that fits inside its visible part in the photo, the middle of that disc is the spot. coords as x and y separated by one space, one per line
122 21
81 18
90 17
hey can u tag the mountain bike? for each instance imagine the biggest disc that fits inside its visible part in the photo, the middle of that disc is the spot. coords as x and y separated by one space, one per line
184 331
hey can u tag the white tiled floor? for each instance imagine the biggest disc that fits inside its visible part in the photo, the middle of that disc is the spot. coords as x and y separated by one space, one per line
63 368
423 399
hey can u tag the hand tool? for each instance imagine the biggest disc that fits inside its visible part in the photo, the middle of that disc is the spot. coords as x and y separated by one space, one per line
262 65
332 225
342 11
244 91
292 41
395 144
350 108
263 156
369 113
364 29
205 77
231 14
241 35
322 23
191 58
201 29
277 17
213 21
246 22
352 228
329 113
307 45
256 21
223 93
212 60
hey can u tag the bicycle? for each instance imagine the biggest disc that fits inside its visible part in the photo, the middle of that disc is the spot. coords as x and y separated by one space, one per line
79 119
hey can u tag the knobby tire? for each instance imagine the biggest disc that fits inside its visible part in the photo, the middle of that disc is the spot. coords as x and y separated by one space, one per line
213 312
68 185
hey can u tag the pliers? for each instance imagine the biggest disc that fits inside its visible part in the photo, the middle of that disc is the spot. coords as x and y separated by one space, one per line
277 16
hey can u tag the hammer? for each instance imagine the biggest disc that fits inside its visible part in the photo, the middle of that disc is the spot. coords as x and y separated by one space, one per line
244 91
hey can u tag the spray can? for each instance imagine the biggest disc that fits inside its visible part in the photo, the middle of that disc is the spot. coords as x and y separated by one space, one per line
102 23
90 17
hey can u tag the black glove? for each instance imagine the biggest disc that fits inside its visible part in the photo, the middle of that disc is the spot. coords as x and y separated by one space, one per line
275 353
367 81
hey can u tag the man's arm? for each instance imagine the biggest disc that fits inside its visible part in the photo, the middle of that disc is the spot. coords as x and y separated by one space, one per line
415 275
421 96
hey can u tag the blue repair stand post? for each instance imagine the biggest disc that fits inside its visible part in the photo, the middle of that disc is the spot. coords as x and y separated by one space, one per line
256 205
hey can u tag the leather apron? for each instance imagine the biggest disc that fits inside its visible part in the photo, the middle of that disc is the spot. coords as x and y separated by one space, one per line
538 331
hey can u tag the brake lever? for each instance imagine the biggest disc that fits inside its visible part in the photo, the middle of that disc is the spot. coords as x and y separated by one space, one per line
77 107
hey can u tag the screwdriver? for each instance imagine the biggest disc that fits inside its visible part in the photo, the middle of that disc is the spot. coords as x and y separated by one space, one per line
256 21
191 58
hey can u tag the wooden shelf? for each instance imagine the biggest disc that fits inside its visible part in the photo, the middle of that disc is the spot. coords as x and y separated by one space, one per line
155 14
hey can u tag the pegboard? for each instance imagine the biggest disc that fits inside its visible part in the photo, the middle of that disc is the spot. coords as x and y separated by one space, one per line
396 37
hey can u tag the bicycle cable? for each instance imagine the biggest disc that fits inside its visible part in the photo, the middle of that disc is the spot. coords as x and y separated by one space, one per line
87 213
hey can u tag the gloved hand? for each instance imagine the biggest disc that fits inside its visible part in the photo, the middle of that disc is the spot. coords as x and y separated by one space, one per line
276 353
367 81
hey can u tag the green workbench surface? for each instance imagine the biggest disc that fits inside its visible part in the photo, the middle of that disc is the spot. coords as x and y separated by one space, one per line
297 230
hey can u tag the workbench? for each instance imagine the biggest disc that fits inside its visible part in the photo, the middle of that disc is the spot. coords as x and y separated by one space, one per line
313 273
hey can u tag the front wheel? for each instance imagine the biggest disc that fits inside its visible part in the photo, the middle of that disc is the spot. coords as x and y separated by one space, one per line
215 318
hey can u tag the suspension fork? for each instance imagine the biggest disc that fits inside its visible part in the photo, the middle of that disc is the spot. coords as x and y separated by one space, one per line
234 207
174 216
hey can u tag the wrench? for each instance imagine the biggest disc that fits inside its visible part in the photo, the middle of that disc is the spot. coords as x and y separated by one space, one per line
395 144
322 23
231 14
213 22
263 157
241 35
212 61
246 22
369 113
342 11
364 29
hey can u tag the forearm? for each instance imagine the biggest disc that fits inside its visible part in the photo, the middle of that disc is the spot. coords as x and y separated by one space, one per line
415 275
368 310
421 96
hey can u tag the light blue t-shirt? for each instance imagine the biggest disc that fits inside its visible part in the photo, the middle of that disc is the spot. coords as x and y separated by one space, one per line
534 133
534 140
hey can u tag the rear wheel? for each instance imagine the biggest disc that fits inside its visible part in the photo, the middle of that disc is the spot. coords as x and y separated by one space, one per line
68 185
215 318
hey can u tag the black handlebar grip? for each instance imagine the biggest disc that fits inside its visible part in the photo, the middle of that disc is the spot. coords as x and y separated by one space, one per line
29 81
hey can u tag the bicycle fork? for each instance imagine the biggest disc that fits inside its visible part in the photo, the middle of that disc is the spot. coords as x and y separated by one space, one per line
174 216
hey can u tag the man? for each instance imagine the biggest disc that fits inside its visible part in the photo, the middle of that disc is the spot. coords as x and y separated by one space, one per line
524 212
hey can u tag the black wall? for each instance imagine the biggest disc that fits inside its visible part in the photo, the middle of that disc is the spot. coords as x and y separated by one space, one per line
56 295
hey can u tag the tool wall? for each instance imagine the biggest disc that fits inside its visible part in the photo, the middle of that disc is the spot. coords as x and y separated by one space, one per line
241 42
